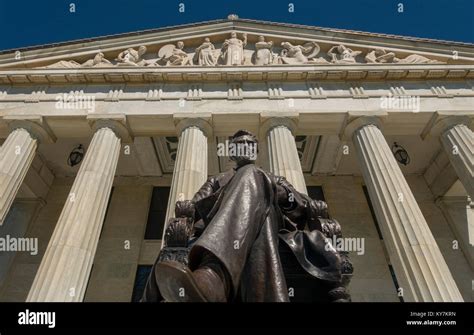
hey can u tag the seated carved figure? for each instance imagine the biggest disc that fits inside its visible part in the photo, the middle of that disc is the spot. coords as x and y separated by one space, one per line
225 244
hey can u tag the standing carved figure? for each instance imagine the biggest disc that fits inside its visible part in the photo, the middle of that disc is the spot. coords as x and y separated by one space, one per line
263 52
205 53
232 52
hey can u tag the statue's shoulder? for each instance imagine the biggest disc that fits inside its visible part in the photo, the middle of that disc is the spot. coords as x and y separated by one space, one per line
221 178
268 174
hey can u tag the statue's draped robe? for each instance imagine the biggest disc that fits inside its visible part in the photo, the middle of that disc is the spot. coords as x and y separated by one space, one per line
263 54
234 52
205 55
239 220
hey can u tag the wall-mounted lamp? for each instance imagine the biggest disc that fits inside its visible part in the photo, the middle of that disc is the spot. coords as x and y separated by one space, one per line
401 155
76 155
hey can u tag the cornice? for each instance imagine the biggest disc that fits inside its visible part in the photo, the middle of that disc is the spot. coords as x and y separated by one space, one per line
365 72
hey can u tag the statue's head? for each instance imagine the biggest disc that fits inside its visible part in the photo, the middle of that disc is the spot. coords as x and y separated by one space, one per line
261 38
341 48
207 40
233 34
180 45
142 50
244 148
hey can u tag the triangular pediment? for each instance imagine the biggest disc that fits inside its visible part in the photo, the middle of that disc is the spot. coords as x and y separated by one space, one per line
256 43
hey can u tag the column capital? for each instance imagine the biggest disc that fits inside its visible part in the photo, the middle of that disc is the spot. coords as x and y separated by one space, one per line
354 122
116 122
202 121
35 125
443 121
268 121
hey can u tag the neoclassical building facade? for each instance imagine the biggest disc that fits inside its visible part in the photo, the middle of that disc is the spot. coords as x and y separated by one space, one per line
100 137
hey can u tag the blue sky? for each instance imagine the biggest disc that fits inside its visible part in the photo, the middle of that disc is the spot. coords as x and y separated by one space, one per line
33 22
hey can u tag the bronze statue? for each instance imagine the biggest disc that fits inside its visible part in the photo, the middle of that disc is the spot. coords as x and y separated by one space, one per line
224 244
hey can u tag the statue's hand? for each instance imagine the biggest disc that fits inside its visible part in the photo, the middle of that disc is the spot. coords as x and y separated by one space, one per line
282 197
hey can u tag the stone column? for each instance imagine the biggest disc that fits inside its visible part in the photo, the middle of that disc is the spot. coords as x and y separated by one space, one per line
458 141
64 270
190 169
283 155
16 155
418 263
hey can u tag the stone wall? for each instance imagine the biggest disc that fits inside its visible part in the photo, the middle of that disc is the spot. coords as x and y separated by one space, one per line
23 269
118 251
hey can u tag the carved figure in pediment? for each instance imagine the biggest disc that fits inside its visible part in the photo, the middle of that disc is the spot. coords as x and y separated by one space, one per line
172 55
341 54
416 59
232 52
300 54
379 56
131 57
263 52
382 56
62 64
99 60
205 54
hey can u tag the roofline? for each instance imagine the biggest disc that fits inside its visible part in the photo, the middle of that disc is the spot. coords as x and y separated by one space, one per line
359 32
217 21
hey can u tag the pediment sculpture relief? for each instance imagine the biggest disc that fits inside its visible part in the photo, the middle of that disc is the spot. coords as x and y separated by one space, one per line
206 54
99 60
300 54
131 57
382 56
173 55
235 51
263 54
232 52
341 54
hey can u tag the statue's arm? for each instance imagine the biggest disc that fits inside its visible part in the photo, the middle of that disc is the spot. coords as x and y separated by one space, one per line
207 189
120 56
292 203
298 207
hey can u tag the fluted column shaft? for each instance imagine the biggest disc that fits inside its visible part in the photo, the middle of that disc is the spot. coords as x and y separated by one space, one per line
190 169
16 155
458 141
66 265
284 159
418 263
